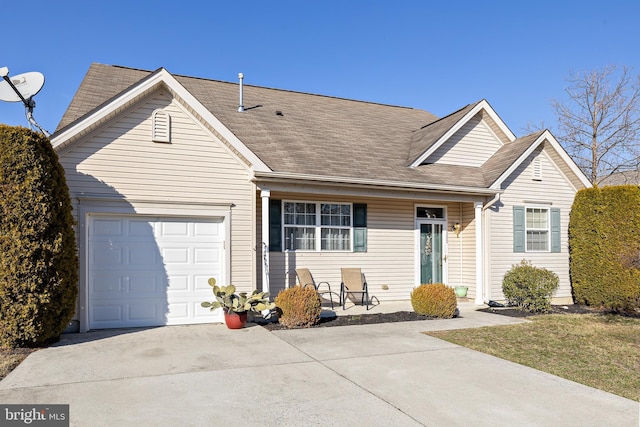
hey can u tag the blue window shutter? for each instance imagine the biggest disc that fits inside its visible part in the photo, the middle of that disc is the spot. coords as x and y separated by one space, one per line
519 235
359 227
556 244
275 225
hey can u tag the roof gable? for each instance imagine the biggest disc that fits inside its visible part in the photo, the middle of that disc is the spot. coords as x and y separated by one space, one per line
433 136
506 160
92 92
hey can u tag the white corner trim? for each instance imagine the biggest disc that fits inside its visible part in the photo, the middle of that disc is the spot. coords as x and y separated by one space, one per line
482 105
162 76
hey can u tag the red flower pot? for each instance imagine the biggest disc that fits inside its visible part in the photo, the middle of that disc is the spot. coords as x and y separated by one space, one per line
235 320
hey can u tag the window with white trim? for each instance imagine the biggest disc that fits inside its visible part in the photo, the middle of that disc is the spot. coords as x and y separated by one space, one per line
537 229
317 226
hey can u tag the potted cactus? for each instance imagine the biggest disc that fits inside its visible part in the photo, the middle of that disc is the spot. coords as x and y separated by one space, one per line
236 306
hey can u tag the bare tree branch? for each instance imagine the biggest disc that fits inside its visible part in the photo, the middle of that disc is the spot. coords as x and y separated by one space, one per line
599 121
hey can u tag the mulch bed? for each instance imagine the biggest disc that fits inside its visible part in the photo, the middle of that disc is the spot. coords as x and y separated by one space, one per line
408 316
359 319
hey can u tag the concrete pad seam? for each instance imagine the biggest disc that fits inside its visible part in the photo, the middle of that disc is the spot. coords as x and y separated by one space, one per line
321 363
156 375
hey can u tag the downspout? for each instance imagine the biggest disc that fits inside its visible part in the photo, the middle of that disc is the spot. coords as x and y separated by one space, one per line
491 202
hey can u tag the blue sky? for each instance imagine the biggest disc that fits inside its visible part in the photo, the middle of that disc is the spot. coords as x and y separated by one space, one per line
432 55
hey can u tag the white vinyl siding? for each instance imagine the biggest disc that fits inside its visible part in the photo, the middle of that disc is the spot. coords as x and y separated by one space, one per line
472 145
118 161
390 259
554 191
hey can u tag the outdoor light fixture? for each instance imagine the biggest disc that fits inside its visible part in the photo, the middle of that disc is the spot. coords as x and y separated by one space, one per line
456 228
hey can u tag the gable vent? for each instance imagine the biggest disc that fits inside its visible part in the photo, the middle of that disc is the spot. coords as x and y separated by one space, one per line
537 169
161 126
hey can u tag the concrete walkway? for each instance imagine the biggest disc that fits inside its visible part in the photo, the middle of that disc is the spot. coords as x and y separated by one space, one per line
384 374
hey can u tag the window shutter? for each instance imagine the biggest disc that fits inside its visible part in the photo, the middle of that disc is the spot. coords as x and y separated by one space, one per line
359 227
556 244
519 236
275 225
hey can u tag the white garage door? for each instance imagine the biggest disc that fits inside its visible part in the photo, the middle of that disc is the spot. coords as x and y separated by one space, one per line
150 271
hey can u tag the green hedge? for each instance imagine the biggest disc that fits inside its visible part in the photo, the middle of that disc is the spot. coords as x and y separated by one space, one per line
604 243
38 261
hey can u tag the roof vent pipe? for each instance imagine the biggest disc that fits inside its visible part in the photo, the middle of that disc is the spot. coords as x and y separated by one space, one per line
241 105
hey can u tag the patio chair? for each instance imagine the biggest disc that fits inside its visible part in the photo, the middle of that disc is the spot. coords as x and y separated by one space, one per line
353 283
306 279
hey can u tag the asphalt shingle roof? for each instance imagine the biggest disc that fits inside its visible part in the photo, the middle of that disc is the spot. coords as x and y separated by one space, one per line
313 134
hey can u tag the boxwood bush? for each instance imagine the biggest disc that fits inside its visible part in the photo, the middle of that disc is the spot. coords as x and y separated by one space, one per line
38 261
299 307
604 244
434 300
529 288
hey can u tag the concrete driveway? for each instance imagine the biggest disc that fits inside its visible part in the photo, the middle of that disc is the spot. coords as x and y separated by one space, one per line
385 374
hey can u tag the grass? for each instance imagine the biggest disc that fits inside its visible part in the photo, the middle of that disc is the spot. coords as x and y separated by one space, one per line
601 351
12 357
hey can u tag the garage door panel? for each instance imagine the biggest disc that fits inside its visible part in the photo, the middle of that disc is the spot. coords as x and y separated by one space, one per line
178 283
174 229
139 228
207 256
107 227
109 284
176 255
209 230
147 271
108 313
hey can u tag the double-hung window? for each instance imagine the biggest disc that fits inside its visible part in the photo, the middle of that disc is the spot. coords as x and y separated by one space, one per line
317 226
537 226
300 221
536 229
335 227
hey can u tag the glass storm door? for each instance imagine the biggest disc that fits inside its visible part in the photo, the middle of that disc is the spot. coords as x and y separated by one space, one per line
431 253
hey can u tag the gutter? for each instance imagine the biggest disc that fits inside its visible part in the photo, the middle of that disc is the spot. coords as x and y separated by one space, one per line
294 178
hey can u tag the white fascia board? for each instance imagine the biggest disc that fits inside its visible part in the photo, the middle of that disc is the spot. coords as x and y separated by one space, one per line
161 76
296 178
482 105
567 159
545 136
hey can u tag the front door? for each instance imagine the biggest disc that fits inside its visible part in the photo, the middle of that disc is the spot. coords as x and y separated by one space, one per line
431 252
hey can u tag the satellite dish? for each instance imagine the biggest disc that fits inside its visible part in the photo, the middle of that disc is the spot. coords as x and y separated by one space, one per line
28 84
22 87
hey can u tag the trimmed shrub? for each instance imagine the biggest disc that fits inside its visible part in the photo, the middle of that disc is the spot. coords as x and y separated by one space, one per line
299 307
604 244
529 288
38 261
434 300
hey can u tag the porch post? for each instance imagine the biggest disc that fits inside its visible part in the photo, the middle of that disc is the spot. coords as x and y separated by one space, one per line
265 194
479 254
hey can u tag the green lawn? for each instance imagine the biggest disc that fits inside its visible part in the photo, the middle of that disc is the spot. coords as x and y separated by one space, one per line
601 351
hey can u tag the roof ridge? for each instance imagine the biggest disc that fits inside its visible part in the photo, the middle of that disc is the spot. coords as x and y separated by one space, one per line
268 88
